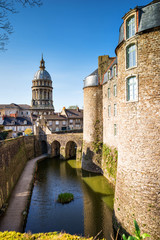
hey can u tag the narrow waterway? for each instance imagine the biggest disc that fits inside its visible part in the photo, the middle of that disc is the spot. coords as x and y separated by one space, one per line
89 214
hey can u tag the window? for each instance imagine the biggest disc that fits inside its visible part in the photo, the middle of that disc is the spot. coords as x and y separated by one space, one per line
115 90
131 56
21 113
77 120
130 27
109 74
71 121
132 89
50 123
64 122
109 110
57 123
25 122
109 93
115 70
0 113
71 126
115 129
57 129
115 109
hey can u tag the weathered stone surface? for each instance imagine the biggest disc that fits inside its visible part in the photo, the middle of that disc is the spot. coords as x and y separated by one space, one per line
14 154
92 127
137 185
62 140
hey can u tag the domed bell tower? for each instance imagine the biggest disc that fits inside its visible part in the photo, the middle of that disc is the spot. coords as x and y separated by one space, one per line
42 89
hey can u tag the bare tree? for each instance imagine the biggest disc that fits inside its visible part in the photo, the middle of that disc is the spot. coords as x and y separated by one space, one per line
7 7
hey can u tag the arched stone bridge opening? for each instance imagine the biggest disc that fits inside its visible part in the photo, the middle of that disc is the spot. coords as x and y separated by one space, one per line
63 145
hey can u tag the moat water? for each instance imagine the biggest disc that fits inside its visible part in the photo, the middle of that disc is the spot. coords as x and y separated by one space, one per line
90 214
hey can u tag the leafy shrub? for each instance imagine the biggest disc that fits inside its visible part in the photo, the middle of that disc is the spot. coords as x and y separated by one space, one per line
137 233
3 135
28 131
65 197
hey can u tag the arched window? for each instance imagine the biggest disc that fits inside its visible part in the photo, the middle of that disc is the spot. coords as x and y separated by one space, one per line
130 27
132 89
131 56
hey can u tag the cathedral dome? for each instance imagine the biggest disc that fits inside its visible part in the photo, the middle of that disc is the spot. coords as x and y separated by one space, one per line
42 74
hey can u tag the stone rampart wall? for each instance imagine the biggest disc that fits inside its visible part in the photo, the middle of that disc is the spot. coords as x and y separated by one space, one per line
14 154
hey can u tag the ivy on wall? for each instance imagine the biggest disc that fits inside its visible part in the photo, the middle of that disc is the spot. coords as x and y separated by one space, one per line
97 144
110 157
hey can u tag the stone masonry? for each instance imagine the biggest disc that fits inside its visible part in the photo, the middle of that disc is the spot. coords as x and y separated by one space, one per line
14 154
136 139
137 186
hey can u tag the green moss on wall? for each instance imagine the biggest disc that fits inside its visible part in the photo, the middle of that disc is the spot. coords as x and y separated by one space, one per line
110 157
97 144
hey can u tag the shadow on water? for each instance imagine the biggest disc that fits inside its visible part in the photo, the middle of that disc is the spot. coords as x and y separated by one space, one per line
89 214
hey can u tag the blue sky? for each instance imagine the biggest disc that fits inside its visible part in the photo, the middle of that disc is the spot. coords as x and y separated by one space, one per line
71 34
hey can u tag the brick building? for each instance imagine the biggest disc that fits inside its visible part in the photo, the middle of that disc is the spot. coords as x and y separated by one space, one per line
121 112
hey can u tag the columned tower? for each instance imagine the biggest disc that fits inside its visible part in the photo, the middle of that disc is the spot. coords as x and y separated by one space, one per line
42 90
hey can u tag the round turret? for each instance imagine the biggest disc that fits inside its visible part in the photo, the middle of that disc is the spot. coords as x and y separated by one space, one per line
138 57
92 116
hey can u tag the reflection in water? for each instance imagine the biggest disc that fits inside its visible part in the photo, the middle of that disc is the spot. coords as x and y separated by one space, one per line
89 214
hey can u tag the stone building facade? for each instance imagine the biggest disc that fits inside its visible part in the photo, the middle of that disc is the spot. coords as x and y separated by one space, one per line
130 116
16 117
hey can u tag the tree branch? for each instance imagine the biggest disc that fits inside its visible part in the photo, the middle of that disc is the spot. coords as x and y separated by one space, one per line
6 7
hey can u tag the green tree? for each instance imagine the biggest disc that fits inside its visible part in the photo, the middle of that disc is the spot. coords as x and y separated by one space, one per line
73 107
10 7
28 131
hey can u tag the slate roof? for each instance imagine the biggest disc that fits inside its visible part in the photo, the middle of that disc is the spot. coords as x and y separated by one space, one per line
74 113
94 73
92 79
149 17
71 114
114 62
13 105
18 121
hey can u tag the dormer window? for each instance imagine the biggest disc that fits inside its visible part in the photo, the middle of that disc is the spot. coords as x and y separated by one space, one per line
130 27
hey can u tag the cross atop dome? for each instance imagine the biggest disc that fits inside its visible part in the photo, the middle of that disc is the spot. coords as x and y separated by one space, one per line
42 63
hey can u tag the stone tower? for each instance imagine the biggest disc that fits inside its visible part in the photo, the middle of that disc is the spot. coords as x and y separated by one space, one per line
93 115
137 191
42 90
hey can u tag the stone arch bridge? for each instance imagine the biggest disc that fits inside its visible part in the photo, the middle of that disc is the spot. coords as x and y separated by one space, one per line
65 145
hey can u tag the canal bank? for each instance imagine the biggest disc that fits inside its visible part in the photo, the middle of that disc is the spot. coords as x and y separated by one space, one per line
13 219
88 215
